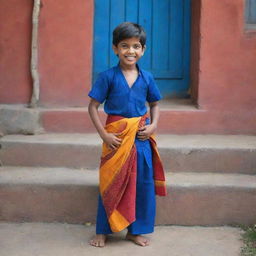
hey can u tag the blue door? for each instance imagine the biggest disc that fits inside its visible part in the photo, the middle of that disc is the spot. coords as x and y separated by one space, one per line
167 24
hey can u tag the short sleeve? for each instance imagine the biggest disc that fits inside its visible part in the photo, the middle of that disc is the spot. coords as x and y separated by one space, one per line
99 90
153 93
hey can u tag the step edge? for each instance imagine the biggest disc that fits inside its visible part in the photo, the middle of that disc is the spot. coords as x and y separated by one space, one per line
59 139
91 178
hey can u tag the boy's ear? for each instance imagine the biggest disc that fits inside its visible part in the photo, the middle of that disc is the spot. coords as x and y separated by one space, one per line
114 49
144 49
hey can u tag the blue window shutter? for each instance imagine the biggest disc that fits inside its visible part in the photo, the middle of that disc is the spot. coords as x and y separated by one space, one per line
250 12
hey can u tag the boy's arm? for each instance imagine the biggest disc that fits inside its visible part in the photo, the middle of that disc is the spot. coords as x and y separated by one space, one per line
110 139
154 113
146 131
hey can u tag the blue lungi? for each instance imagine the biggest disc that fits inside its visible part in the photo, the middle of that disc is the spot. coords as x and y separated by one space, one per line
145 196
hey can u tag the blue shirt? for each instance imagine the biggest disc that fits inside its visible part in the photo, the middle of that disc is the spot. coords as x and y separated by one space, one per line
112 88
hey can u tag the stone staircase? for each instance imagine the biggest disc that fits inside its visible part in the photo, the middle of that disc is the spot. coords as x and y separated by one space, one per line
53 177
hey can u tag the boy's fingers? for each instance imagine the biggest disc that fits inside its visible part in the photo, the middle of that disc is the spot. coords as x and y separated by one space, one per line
117 134
142 134
117 142
112 146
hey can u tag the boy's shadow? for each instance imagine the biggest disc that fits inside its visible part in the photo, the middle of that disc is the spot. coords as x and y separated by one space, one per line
117 238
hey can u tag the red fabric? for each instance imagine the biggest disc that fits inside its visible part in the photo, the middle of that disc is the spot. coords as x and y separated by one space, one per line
115 198
120 195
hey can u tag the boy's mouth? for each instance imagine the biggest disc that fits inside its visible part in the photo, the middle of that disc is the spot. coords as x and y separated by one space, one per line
130 57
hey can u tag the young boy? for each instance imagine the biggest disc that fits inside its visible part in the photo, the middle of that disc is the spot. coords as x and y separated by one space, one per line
131 172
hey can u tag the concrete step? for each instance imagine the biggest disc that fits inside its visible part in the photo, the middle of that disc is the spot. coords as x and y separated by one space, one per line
55 239
180 153
18 119
70 195
178 116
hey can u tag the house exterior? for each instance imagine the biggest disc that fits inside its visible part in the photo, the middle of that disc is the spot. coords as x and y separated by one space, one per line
220 99
202 54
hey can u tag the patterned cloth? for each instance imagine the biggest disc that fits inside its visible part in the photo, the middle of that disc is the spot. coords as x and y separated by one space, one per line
118 172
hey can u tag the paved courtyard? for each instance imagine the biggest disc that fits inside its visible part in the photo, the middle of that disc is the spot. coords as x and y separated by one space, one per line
55 239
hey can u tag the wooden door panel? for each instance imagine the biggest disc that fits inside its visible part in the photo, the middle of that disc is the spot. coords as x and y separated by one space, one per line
167 26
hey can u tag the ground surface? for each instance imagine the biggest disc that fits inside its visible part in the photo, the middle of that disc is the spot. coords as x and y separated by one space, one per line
54 239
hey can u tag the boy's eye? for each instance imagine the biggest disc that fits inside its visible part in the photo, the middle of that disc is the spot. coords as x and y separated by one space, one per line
125 46
136 46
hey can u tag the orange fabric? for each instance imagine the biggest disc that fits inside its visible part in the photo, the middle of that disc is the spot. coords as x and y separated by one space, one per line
118 172
117 221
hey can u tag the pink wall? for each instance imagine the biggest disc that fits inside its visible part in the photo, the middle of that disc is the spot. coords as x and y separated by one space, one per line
227 80
66 29
15 38
223 61
65 51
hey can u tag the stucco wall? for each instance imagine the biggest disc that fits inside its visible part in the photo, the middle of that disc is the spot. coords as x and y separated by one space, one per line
227 80
65 51
223 61
15 38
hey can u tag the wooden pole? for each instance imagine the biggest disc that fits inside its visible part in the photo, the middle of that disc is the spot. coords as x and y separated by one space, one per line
34 55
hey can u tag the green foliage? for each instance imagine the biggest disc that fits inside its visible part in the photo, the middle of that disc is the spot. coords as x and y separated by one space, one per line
249 238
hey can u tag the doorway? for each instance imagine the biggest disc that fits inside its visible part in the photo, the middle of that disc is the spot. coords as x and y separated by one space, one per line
167 24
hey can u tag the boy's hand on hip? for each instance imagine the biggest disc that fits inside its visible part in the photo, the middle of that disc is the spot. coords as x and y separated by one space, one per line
112 140
145 132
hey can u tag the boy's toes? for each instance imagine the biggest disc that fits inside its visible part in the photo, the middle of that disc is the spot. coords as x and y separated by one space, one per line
101 244
98 241
143 242
137 239
140 242
94 243
146 242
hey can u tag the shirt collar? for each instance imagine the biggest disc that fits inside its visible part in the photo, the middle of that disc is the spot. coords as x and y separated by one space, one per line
137 65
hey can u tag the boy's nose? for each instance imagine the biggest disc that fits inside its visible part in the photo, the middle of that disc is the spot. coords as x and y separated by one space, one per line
130 49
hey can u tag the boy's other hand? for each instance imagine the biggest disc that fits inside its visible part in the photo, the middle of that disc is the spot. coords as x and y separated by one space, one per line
112 140
145 132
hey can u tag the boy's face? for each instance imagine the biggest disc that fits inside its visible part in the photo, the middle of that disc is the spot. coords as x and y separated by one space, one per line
129 51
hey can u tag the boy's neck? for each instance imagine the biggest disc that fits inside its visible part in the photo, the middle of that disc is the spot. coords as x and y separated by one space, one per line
128 68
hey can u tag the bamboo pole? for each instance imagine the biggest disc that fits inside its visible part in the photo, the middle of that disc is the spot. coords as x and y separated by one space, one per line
34 55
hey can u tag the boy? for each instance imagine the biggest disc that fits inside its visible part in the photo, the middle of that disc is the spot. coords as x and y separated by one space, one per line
131 172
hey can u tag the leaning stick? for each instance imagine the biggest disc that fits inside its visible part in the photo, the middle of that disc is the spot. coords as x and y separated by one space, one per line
34 55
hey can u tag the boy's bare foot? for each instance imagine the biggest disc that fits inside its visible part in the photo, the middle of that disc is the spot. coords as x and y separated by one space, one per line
98 240
138 239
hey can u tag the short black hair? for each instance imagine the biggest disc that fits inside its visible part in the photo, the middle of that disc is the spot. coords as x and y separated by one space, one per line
127 30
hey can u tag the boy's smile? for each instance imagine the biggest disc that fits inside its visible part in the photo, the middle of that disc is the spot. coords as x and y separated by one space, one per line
129 51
